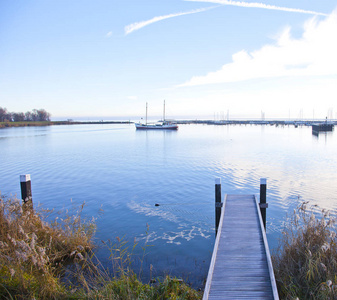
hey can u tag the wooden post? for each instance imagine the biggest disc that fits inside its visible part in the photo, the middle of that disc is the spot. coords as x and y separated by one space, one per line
217 203
26 188
263 200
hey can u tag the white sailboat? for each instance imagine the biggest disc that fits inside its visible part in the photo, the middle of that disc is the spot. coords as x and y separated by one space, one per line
169 125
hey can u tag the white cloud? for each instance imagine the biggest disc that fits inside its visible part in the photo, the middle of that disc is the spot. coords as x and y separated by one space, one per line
138 25
314 54
109 34
260 5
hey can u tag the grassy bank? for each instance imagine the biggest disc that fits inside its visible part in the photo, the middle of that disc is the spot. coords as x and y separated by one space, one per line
22 124
40 260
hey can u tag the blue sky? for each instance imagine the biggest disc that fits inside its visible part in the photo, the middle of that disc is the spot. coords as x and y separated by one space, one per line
105 59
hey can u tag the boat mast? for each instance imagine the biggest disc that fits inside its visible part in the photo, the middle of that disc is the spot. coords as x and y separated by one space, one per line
164 112
146 115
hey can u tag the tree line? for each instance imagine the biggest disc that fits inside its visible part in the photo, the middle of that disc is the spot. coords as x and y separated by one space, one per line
29 116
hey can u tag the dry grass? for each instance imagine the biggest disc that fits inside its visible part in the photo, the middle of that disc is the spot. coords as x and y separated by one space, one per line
55 261
306 262
25 123
33 252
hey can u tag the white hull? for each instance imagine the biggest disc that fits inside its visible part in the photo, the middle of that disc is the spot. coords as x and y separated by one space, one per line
156 126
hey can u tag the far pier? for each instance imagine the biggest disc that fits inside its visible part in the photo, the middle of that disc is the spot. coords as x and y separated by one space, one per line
322 123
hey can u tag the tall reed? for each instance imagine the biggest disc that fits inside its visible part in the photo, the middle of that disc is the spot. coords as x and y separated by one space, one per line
56 261
32 252
305 263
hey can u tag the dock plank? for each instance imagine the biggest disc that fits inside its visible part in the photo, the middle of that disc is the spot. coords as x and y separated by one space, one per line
241 265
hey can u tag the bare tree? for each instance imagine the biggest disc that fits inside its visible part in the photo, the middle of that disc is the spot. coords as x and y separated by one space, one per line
43 115
18 117
3 114
28 116
34 115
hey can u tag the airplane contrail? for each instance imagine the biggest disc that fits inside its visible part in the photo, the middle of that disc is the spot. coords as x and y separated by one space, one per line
260 5
138 25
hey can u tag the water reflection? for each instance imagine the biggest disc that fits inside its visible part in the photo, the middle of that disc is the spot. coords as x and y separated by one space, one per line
322 135
129 171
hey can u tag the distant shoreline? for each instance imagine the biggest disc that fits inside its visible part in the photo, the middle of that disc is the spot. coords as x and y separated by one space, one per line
207 122
50 123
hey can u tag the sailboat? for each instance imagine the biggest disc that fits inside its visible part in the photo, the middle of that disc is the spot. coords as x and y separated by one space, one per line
169 125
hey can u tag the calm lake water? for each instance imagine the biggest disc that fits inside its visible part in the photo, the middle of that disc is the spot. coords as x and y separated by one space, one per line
126 172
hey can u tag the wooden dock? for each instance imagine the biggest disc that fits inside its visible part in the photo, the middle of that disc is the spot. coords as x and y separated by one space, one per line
241 266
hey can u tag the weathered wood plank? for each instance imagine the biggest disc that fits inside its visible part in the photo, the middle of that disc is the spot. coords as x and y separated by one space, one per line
240 266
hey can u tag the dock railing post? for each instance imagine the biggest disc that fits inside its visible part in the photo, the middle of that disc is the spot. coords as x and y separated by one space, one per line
26 189
217 203
263 200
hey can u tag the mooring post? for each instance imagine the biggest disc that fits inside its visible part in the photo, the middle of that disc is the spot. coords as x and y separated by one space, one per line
263 200
26 188
217 203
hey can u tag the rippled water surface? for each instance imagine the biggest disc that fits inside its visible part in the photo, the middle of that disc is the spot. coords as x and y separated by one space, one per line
127 172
